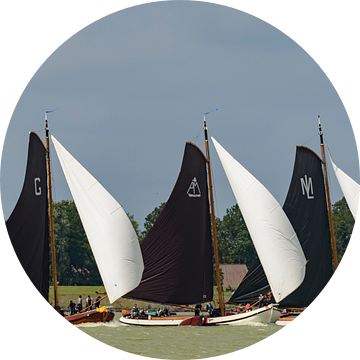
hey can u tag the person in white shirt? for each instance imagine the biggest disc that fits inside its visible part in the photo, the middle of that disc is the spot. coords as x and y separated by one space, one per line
79 303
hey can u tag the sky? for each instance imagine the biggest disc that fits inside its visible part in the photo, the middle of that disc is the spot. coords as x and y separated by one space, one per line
132 88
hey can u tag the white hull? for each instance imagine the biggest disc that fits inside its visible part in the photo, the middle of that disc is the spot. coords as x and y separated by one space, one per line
264 315
155 321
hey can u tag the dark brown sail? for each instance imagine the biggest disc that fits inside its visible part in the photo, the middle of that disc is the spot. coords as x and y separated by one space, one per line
28 223
177 251
305 206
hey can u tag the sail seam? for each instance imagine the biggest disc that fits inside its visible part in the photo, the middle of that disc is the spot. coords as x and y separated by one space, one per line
277 205
116 209
92 185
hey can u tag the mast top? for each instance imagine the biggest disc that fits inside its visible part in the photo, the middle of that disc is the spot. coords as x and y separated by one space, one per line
49 111
320 132
205 127
46 122
211 112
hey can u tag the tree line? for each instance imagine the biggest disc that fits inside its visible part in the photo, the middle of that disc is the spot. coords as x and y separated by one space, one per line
76 265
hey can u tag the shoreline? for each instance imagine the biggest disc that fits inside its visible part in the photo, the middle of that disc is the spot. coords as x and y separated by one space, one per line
67 293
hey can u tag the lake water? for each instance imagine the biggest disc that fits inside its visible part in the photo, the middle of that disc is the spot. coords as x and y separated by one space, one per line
178 342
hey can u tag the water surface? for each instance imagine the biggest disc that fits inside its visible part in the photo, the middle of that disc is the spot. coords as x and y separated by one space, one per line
178 342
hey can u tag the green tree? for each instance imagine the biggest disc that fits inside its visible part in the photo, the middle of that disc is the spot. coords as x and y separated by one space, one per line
234 242
151 218
343 226
135 225
75 263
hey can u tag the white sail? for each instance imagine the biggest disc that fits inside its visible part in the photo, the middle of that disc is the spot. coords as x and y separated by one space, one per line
274 238
110 233
349 187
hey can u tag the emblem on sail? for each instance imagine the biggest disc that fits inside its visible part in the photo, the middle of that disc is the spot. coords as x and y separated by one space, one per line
307 186
194 189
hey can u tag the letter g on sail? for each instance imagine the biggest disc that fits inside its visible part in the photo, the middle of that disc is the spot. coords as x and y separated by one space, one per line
37 187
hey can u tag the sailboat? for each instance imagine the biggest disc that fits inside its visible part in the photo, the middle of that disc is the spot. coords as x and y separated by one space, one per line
177 251
109 231
112 238
111 235
274 238
305 207
174 262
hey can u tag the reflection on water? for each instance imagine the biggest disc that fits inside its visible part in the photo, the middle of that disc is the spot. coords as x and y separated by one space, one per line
178 342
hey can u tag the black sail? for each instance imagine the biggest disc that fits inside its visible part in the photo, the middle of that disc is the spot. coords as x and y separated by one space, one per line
28 223
177 251
305 206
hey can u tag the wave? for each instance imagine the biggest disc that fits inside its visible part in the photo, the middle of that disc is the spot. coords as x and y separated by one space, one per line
111 324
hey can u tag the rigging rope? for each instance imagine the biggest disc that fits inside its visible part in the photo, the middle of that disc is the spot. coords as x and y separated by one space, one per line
310 139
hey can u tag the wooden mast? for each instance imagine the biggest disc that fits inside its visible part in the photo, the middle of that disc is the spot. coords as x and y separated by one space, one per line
218 280
333 242
51 217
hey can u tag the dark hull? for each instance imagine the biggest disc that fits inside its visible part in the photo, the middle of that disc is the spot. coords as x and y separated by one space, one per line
90 316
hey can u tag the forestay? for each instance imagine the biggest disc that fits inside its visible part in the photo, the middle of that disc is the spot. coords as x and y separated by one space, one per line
110 233
349 187
274 238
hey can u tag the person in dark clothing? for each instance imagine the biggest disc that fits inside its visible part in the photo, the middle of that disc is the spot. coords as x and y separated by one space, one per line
134 311
198 308
97 302
209 308
72 308
88 303
267 300
261 301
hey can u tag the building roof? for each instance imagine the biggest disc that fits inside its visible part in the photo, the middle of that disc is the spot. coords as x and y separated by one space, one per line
233 273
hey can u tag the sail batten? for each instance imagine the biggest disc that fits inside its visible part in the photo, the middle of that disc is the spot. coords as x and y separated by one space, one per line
110 233
272 233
